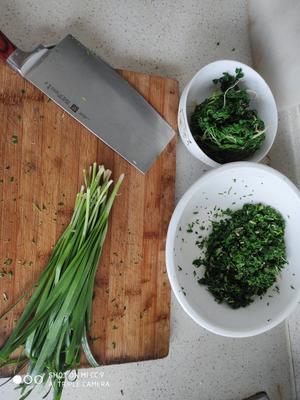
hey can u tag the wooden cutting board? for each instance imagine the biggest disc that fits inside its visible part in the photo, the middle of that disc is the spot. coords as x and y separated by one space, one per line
42 154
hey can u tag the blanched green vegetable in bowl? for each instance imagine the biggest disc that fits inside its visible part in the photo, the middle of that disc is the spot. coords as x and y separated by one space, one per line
227 113
224 125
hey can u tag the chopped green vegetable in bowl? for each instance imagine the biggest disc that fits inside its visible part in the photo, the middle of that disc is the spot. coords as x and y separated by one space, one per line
244 254
224 125
245 258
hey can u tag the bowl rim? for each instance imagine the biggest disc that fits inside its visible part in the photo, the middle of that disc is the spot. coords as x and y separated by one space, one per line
172 229
182 110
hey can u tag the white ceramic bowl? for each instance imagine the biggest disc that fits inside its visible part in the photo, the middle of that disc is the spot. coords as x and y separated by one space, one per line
202 87
233 185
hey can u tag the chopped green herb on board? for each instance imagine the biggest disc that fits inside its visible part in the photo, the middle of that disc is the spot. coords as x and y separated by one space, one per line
10 274
36 206
4 273
14 139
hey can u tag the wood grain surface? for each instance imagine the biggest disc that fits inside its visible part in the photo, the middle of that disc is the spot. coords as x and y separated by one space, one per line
42 154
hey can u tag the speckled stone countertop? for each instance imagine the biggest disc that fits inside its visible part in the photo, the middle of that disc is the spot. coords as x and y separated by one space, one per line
175 39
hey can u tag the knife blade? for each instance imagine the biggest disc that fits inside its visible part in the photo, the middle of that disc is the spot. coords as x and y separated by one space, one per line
92 92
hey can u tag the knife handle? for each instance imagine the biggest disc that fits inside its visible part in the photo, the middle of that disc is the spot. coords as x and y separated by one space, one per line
6 47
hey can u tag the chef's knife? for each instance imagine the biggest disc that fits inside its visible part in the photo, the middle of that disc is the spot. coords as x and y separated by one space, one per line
98 97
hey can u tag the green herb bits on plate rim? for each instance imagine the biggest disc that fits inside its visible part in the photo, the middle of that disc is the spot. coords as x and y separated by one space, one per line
232 186
202 87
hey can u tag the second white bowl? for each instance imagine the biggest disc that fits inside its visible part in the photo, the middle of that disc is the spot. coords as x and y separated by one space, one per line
202 87
232 186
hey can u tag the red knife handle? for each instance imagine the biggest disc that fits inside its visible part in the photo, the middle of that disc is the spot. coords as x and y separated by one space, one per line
6 47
